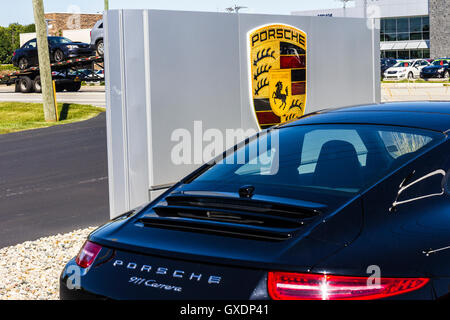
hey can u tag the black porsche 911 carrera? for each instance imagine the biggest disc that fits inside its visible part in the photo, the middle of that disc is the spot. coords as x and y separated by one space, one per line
350 203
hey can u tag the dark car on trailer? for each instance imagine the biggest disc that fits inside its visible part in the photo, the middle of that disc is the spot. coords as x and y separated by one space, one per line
60 49
351 203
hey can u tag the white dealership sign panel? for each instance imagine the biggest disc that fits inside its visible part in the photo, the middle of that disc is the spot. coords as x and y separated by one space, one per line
167 69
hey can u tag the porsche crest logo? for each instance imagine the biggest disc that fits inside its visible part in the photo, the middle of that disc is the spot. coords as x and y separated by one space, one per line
278 73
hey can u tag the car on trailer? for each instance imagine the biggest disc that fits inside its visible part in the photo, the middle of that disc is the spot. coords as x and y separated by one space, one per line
60 49
350 203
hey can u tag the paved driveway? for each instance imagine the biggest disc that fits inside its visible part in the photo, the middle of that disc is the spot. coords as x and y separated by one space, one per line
53 180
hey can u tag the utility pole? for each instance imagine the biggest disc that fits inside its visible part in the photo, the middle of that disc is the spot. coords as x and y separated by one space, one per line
44 62
235 9
344 5
106 5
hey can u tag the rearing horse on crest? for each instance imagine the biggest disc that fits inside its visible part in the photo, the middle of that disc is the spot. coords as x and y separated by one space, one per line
280 96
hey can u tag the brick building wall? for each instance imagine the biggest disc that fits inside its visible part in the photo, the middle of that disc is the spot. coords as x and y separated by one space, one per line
439 28
70 21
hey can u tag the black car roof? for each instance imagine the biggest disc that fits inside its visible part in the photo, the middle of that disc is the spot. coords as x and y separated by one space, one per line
425 115
49 37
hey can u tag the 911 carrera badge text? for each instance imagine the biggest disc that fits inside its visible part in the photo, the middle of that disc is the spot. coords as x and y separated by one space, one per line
153 284
177 274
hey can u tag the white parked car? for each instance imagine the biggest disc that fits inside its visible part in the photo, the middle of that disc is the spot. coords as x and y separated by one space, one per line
406 69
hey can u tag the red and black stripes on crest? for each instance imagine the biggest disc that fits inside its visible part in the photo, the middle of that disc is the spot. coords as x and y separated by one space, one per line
266 118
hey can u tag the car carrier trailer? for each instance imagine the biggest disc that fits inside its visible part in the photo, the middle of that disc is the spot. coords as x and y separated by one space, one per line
68 75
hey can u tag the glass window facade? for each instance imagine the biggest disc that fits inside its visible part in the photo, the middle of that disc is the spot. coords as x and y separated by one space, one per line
405 28
406 54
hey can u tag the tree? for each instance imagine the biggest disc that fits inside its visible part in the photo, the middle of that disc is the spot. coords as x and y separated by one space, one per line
5 46
10 39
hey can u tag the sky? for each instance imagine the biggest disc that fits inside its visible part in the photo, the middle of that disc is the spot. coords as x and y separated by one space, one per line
21 11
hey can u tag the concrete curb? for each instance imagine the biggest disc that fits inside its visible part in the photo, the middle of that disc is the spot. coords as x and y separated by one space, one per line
413 85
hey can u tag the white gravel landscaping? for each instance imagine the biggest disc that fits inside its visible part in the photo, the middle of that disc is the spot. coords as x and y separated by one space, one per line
31 270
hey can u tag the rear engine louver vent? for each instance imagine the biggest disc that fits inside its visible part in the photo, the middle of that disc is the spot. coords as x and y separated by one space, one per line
236 217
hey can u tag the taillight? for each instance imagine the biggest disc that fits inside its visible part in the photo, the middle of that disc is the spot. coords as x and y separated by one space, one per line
299 286
87 254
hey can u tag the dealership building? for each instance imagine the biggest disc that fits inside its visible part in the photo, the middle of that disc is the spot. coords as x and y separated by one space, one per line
409 29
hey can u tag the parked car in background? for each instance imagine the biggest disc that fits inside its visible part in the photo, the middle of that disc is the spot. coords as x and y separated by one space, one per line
97 38
385 64
406 69
60 49
439 68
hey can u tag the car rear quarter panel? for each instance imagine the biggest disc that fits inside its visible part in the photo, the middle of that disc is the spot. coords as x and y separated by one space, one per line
409 239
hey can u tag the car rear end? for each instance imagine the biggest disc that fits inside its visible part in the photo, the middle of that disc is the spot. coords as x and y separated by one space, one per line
153 277
255 224
106 272
203 247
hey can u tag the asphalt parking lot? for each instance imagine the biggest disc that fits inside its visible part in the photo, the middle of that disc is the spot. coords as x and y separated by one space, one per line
53 180
93 95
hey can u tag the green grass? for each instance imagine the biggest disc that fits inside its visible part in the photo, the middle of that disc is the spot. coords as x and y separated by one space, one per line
18 116
84 83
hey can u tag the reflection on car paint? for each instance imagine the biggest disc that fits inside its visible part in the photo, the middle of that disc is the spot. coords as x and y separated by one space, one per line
403 188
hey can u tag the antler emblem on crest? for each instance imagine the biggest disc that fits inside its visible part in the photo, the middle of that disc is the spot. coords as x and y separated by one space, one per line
264 53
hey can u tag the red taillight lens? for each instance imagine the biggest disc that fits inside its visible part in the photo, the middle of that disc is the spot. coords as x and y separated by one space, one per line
299 286
87 254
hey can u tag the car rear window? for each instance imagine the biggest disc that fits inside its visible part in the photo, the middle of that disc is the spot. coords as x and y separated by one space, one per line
316 160
402 143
